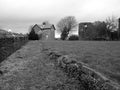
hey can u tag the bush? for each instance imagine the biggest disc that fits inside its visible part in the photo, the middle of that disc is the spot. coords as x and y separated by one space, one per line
99 39
73 37
32 35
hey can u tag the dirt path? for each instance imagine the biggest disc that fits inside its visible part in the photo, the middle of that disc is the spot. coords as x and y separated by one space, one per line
29 69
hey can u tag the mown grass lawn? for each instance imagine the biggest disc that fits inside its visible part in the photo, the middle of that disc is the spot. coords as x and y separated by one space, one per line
104 56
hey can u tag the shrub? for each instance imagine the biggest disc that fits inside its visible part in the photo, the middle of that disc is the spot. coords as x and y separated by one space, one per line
73 37
32 35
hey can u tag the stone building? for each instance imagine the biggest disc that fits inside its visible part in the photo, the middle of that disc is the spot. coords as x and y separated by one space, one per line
85 28
119 28
88 31
45 31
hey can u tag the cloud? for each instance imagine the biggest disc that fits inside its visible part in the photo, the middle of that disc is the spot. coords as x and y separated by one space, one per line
37 8
51 8
35 11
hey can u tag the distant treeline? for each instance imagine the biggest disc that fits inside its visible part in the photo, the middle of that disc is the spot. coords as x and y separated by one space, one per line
10 45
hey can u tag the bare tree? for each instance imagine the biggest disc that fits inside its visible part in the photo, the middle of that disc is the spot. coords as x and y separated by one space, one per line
66 25
112 24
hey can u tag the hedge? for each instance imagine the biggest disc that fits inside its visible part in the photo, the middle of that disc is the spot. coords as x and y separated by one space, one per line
10 45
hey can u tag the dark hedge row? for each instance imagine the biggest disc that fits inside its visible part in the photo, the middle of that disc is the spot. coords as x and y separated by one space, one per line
10 45
73 37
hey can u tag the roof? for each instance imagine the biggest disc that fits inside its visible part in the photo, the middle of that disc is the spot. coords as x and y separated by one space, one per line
45 26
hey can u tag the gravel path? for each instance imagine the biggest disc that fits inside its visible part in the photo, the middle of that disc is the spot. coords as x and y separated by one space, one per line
30 69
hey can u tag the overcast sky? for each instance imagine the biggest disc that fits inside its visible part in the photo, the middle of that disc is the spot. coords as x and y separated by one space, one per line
19 14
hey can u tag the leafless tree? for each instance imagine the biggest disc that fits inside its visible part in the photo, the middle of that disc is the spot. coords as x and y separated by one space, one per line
111 23
66 25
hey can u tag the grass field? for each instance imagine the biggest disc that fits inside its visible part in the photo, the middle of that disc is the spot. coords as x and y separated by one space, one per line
29 68
103 56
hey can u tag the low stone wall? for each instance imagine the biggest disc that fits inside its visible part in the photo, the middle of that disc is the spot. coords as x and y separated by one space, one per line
90 79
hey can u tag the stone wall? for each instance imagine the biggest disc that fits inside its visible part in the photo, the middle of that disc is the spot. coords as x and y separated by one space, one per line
48 35
119 28
90 79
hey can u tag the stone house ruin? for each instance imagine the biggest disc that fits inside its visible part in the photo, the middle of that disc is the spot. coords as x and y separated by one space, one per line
45 31
88 31
83 29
